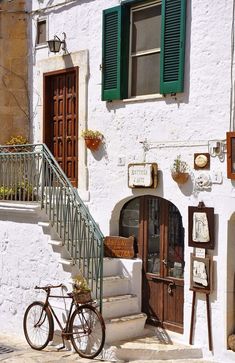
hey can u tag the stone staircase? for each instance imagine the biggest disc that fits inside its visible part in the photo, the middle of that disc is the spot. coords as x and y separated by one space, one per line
121 291
127 338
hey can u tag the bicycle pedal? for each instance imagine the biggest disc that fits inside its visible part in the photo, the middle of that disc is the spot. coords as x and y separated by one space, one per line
60 348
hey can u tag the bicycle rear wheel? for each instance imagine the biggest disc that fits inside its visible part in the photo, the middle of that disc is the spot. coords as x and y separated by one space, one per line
87 330
38 325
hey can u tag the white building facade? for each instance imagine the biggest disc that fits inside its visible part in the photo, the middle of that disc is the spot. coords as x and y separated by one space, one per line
144 126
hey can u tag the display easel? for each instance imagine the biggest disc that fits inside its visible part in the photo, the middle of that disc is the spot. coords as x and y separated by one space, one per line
208 319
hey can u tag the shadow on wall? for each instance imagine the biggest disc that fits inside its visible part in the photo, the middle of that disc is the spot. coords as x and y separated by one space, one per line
231 277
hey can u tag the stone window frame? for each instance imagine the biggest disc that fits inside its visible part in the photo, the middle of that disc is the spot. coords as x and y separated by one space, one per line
44 44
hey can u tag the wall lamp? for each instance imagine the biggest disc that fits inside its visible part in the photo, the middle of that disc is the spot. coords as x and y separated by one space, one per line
55 44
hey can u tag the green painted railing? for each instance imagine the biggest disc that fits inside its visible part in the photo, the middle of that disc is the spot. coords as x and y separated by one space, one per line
31 173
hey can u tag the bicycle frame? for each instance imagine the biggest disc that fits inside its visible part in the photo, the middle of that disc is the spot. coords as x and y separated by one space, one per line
64 330
81 319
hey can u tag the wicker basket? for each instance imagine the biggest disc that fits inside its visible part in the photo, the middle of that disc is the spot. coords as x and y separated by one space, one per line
82 297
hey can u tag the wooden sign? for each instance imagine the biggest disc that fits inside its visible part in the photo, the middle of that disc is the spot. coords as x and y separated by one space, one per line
122 247
142 175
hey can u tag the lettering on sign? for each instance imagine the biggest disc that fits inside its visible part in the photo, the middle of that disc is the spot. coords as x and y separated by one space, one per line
122 247
142 175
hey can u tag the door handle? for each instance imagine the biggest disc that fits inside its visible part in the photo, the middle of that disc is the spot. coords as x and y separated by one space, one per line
165 262
170 287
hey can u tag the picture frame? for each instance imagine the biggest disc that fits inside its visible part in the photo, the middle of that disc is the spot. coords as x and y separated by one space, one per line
201 227
230 142
201 274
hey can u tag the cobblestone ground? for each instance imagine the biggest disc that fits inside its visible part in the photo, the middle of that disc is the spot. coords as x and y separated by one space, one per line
22 353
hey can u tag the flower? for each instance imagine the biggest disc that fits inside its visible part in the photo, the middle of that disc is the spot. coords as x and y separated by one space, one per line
80 284
179 166
92 134
17 140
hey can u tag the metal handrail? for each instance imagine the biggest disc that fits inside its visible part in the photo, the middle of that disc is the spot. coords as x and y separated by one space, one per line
31 173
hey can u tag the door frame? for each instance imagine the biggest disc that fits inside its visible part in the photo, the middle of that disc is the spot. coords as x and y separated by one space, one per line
163 279
47 75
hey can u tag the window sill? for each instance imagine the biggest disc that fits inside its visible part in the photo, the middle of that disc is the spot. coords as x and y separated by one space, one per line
156 96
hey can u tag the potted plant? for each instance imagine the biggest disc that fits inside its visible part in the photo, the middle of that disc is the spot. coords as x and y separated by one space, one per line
179 170
81 290
16 144
92 138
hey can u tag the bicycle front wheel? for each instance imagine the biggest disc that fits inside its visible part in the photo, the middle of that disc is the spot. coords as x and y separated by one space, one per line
38 325
87 330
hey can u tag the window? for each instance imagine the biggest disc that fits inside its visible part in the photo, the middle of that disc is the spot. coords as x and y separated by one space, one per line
41 32
145 32
143 48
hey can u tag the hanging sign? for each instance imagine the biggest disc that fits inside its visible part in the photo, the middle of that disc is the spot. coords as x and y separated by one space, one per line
142 175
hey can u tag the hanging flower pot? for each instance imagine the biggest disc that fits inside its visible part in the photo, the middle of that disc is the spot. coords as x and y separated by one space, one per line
179 171
92 139
92 144
180 178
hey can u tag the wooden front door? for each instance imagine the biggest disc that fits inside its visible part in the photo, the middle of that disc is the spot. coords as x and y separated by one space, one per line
61 119
157 226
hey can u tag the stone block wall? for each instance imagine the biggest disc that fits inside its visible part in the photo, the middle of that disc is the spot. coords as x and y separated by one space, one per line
14 100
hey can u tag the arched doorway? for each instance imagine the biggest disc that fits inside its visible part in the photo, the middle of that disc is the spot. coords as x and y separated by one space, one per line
157 227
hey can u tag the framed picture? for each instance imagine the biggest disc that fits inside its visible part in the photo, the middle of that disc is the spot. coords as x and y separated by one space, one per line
201 227
201 271
230 136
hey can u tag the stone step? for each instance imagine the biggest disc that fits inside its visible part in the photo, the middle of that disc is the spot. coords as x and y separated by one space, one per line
68 262
56 243
111 266
115 286
190 360
117 306
125 327
150 348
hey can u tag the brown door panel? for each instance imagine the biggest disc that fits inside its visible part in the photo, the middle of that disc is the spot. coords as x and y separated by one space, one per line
173 304
60 120
152 300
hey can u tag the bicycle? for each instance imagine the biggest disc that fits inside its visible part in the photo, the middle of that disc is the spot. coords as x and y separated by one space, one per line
84 327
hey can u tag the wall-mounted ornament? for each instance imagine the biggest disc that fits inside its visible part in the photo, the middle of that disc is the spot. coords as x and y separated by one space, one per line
142 175
201 226
216 177
203 182
201 161
230 155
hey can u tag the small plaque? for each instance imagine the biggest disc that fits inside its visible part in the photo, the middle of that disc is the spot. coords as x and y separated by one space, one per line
200 252
116 246
201 161
142 175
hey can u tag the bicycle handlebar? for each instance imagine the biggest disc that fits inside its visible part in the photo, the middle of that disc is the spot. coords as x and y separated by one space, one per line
49 287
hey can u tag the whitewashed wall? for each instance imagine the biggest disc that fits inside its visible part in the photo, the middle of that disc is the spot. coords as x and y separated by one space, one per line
201 113
26 260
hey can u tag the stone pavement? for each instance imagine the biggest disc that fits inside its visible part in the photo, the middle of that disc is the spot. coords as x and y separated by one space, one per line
22 353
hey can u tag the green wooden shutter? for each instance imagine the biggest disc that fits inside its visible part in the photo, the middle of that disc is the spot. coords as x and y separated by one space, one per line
172 46
111 64
115 53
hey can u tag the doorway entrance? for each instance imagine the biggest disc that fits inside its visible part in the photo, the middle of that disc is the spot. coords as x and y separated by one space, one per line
157 227
61 119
